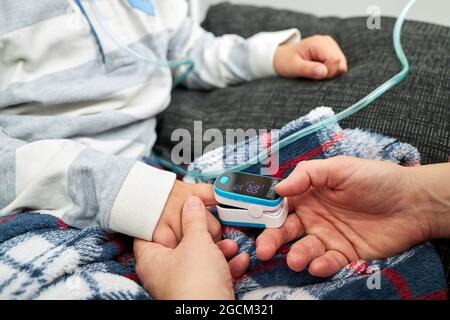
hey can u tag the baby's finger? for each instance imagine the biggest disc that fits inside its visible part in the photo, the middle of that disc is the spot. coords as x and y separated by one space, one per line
343 67
174 220
332 66
239 264
333 57
228 247
328 264
304 251
310 69
270 240
164 235
205 192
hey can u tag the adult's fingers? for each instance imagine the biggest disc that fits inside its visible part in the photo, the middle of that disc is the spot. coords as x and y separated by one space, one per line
146 250
205 192
313 173
328 264
297 183
228 247
239 264
214 227
270 240
193 217
151 258
303 252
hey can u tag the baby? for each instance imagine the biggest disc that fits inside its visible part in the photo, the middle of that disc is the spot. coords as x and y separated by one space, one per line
78 110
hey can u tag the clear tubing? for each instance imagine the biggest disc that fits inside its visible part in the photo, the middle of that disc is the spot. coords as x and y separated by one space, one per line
169 64
360 105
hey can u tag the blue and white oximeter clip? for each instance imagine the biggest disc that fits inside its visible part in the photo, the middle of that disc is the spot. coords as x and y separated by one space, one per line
248 200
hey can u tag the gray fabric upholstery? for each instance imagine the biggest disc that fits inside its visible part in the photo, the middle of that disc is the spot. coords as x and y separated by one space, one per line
417 111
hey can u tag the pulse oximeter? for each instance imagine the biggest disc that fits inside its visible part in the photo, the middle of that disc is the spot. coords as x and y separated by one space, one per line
249 200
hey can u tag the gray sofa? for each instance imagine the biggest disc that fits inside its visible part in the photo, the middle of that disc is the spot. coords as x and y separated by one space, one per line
417 111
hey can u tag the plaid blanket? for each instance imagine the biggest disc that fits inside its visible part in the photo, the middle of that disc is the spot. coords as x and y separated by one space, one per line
43 258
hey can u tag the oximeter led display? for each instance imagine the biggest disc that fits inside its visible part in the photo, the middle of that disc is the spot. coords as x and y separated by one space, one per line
249 185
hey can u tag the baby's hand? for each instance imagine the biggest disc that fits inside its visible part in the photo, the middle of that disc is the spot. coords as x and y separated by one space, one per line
316 57
168 230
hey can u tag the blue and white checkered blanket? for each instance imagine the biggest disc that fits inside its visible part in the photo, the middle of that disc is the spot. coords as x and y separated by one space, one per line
42 258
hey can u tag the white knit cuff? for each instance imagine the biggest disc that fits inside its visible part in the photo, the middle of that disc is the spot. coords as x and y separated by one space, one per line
262 47
140 201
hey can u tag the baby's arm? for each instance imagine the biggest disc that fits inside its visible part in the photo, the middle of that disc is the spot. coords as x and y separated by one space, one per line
230 59
81 186
225 60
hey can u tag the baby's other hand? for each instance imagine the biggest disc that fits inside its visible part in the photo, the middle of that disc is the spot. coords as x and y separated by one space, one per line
316 57
168 231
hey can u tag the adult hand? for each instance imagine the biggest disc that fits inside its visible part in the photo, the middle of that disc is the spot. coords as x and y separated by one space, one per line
168 230
347 209
197 268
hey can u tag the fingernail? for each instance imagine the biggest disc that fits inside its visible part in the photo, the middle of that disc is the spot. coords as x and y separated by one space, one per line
320 71
194 203
279 185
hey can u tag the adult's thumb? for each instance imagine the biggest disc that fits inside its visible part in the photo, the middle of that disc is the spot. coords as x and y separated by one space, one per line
313 173
311 69
193 218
